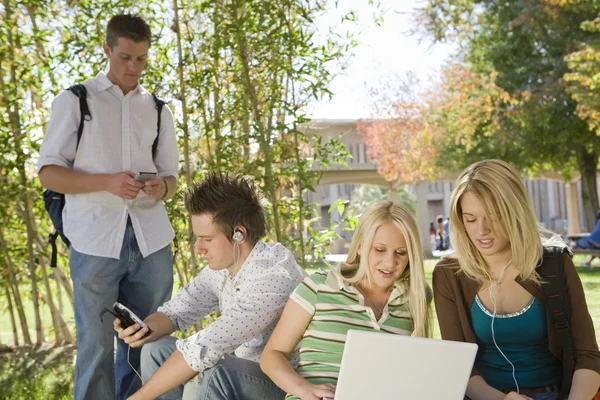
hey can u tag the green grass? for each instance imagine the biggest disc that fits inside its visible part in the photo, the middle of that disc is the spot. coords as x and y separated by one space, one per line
48 373
37 374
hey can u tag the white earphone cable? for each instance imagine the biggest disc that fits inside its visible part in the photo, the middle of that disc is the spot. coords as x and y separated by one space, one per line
493 298
134 370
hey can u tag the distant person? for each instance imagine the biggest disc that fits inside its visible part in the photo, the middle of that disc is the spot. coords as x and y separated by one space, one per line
440 236
432 236
380 287
592 241
447 233
248 280
489 293
118 227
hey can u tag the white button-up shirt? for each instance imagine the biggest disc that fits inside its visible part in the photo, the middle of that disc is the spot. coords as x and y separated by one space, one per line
118 138
250 304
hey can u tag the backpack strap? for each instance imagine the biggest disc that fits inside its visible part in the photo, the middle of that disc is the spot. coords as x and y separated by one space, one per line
53 255
159 106
553 286
80 91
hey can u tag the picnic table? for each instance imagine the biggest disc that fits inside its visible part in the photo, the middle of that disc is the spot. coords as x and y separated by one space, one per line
582 251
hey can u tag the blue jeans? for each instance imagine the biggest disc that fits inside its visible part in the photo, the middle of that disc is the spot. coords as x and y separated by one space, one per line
232 378
544 396
141 284
539 396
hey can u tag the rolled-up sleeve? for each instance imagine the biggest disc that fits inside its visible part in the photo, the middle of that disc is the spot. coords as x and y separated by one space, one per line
197 300
256 306
60 142
167 155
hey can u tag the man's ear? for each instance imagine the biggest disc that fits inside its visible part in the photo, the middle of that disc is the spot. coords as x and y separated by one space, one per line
106 48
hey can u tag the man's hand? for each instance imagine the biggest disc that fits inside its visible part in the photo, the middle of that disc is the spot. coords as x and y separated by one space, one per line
123 185
156 188
133 336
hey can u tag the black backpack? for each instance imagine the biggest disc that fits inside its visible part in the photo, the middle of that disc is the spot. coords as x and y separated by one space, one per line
54 201
553 286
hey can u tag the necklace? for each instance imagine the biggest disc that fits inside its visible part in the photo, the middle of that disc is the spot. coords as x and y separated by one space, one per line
501 277
378 310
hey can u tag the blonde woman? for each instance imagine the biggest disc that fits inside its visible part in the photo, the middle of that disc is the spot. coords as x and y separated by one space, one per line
490 293
381 286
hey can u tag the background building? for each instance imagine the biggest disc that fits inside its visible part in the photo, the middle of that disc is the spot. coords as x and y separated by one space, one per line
552 198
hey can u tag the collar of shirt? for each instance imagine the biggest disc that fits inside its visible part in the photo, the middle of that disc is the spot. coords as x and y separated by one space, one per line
336 280
103 83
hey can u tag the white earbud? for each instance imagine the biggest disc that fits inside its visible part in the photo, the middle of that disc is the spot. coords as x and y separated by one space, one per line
238 236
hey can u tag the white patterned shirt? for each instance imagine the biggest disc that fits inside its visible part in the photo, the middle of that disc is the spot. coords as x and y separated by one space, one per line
250 304
118 138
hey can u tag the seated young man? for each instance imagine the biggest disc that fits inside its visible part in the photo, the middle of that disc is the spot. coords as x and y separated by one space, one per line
247 280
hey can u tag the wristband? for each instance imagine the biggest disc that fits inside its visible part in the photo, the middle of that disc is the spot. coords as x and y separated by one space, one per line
166 189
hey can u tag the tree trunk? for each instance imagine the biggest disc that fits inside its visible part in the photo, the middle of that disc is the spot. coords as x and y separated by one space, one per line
263 135
61 329
13 285
13 323
589 188
186 136
59 294
53 312
59 275
216 92
15 122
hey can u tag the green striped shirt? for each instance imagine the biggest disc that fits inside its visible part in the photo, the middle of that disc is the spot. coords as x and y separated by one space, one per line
336 308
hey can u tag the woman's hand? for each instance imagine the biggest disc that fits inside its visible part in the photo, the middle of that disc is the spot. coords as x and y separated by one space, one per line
310 391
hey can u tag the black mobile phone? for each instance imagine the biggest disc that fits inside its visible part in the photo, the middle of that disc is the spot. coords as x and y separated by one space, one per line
144 176
126 316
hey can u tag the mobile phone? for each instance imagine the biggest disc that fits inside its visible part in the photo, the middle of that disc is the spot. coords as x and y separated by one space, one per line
144 176
126 316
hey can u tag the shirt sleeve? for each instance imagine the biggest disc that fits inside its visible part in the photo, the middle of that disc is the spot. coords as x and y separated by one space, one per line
255 308
197 300
306 294
60 142
166 160
446 307
585 347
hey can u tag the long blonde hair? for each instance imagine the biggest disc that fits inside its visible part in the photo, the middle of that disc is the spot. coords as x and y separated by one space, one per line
508 206
412 280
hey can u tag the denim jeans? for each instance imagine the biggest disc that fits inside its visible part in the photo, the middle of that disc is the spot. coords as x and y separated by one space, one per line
539 396
544 396
141 284
233 378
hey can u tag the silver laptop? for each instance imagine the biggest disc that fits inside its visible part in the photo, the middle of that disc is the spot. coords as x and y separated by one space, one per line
385 366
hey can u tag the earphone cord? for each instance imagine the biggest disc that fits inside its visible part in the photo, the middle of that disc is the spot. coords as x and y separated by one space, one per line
236 256
134 370
494 317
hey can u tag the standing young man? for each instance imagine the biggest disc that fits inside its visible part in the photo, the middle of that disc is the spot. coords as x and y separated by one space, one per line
118 227
247 280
